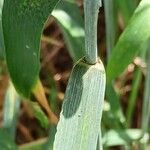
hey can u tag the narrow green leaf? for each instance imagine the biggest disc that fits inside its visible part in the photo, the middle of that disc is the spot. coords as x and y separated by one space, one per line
137 78
79 124
116 112
71 23
131 41
53 93
39 114
11 111
23 21
134 93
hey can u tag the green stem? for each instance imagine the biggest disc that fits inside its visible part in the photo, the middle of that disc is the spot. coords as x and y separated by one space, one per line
134 93
133 96
110 25
91 9
146 102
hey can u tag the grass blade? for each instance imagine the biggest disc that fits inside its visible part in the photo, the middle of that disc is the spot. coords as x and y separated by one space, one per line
132 98
111 95
39 114
131 41
79 124
116 110
22 37
134 93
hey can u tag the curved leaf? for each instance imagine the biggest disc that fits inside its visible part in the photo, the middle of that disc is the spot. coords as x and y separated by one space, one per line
71 23
23 22
131 41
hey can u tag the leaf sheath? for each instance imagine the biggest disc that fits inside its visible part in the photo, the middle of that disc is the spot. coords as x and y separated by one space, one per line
80 118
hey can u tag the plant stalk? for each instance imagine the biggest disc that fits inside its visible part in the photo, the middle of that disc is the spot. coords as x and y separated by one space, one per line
91 9
146 102
110 23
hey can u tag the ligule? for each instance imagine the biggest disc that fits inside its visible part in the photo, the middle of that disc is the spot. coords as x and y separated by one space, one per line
80 118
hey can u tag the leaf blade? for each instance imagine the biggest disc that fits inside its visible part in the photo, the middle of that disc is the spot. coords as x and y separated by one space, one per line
22 39
131 41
